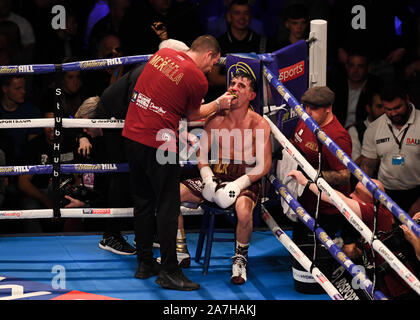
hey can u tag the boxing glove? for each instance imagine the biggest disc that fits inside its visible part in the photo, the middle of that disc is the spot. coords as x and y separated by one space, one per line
210 183
228 192
209 188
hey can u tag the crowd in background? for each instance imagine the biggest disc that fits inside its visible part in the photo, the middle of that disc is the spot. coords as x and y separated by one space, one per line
361 54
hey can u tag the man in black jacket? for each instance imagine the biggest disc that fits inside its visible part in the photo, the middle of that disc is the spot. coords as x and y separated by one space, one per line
352 88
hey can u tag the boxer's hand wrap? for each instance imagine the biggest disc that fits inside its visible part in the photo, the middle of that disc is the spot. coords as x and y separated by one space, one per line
227 193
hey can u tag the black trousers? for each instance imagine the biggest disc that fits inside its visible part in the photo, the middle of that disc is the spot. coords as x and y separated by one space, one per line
155 194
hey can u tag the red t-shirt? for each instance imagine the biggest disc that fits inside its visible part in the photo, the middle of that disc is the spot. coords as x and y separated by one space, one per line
393 286
305 141
170 84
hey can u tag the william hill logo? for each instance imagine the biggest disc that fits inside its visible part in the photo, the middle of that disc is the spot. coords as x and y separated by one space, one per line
292 72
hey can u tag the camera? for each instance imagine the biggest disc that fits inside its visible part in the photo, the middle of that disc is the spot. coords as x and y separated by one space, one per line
394 239
80 192
396 242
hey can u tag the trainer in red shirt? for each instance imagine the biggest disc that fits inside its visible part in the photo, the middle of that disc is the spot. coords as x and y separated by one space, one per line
172 85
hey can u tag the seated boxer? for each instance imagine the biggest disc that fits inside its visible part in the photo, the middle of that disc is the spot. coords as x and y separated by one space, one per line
234 181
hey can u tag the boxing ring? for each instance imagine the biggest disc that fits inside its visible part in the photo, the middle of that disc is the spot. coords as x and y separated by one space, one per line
56 169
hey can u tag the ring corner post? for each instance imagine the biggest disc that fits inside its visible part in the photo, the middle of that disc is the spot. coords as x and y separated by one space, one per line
318 53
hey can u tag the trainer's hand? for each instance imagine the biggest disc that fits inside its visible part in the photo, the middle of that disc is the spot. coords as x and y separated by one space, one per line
209 188
226 194
225 100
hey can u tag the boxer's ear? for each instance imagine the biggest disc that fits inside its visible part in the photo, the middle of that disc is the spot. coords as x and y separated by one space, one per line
252 95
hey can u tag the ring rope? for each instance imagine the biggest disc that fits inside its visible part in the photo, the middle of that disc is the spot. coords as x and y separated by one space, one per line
348 213
341 155
298 254
335 251
84 213
106 63
73 123
90 65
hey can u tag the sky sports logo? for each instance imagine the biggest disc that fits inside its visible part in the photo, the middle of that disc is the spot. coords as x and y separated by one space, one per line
292 72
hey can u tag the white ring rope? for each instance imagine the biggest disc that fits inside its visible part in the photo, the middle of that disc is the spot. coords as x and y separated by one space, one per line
83 213
300 256
347 212
72 123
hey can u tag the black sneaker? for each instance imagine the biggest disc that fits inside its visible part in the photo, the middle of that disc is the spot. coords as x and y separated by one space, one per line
117 245
145 271
175 280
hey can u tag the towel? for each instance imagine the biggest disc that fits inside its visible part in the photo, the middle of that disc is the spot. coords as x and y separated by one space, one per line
283 168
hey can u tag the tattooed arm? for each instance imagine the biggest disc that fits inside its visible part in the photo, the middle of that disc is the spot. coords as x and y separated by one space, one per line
337 178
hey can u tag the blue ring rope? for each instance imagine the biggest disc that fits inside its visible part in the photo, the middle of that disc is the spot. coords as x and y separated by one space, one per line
335 251
340 154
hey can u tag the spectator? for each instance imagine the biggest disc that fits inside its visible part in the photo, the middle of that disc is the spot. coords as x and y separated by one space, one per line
10 46
39 14
412 78
64 43
110 189
392 142
351 90
376 33
26 31
15 106
374 109
239 38
110 24
98 80
296 21
37 189
72 94
158 21
216 23
361 203
99 10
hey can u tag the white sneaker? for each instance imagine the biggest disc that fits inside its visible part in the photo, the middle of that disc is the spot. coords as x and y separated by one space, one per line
184 259
238 269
